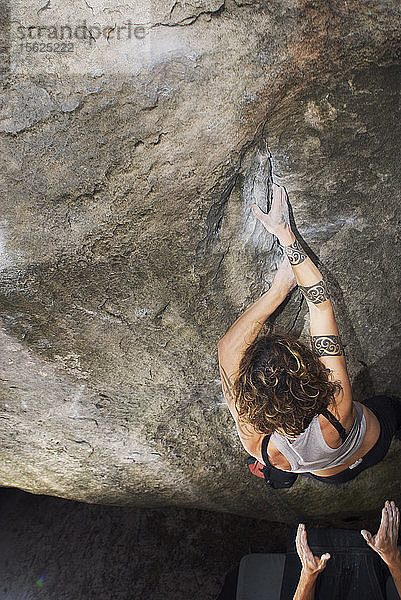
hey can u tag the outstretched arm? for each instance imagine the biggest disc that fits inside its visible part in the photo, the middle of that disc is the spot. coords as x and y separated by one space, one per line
245 329
241 334
325 336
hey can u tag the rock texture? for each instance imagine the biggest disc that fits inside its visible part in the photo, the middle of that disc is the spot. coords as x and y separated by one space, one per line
128 248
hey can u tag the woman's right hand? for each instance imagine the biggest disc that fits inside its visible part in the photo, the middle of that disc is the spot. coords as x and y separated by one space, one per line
284 278
277 220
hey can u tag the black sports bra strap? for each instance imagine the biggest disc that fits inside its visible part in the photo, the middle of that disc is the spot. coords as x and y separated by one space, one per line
265 442
335 422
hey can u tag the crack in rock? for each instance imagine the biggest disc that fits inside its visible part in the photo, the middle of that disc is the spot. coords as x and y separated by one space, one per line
190 19
297 314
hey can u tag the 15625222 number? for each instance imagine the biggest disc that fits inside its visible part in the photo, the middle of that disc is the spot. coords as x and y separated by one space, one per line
47 46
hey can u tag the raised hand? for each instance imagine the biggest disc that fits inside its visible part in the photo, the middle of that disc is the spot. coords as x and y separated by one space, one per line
385 540
277 219
311 564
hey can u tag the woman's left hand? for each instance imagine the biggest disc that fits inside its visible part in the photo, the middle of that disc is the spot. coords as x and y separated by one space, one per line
285 278
311 565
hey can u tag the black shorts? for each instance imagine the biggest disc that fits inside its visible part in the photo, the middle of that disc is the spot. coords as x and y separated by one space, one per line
388 412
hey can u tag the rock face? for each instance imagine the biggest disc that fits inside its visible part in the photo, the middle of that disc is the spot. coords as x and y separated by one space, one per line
128 247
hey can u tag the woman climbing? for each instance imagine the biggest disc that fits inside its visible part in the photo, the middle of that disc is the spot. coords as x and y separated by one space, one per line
292 405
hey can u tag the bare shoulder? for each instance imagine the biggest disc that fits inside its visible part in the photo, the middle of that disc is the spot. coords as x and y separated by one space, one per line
344 410
342 405
276 458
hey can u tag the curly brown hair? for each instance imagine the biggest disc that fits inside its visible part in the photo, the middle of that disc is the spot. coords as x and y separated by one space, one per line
281 385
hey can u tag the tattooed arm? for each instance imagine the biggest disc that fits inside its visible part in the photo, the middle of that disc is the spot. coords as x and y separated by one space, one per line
309 278
325 337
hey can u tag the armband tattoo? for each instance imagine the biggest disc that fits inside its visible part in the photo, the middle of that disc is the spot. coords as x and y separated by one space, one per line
327 345
295 253
316 293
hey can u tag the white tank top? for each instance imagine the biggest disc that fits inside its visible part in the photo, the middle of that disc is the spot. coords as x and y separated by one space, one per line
309 451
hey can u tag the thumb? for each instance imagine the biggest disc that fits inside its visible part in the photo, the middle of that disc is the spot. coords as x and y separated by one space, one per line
323 560
367 536
256 210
